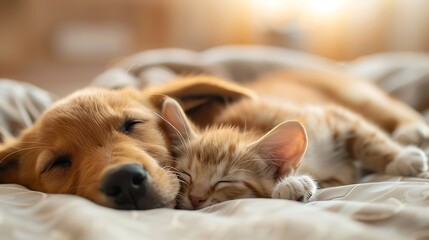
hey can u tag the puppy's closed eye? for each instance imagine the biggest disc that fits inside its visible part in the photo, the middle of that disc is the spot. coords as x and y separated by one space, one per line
129 125
60 162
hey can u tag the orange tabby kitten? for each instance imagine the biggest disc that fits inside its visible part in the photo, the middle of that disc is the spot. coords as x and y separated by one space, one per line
234 158
221 163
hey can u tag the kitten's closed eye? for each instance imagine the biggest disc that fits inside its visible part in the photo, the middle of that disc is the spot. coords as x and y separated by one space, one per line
185 177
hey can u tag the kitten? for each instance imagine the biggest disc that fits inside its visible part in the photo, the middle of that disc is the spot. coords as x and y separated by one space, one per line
223 162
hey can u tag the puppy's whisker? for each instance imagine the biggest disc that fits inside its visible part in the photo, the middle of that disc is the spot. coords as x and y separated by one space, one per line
18 151
30 152
173 171
171 168
179 150
181 138
36 143
174 181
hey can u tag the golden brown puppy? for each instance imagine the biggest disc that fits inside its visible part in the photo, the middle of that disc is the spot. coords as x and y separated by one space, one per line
104 145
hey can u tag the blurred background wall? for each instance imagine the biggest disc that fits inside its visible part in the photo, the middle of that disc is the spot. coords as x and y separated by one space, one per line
62 45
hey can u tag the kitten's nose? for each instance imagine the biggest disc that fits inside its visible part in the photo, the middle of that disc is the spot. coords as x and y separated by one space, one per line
196 201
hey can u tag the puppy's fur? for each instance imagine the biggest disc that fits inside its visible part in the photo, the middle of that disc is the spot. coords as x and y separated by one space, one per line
82 137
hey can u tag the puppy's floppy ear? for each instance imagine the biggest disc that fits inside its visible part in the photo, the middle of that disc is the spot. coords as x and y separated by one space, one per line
10 155
283 146
177 125
202 97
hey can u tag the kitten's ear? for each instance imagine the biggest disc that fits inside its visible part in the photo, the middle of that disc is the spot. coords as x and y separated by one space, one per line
178 127
283 146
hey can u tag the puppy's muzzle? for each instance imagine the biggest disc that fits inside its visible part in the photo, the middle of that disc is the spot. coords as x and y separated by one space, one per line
129 187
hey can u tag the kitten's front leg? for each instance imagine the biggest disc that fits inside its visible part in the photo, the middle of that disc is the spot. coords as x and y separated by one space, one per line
298 188
416 134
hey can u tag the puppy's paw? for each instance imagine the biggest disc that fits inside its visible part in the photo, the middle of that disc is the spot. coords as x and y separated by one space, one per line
412 161
298 188
412 134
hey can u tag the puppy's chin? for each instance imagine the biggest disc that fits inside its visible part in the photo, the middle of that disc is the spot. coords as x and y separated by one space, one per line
183 204
140 204
143 204
170 204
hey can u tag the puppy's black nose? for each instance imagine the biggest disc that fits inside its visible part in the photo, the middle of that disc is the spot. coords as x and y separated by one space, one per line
127 187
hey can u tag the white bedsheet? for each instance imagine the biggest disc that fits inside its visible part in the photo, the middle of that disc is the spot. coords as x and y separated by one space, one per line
394 209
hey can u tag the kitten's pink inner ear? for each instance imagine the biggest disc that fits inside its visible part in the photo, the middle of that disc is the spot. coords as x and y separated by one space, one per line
178 125
284 145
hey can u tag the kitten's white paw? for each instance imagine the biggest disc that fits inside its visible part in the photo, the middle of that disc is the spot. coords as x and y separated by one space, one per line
299 188
412 134
412 161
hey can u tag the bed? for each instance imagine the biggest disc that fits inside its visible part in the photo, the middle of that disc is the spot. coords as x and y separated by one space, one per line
378 207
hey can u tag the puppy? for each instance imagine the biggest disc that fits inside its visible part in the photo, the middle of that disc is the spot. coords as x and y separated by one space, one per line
104 145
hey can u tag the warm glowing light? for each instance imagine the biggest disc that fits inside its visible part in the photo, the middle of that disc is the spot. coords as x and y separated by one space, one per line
318 6
279 13
274 12
325 6
269 5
